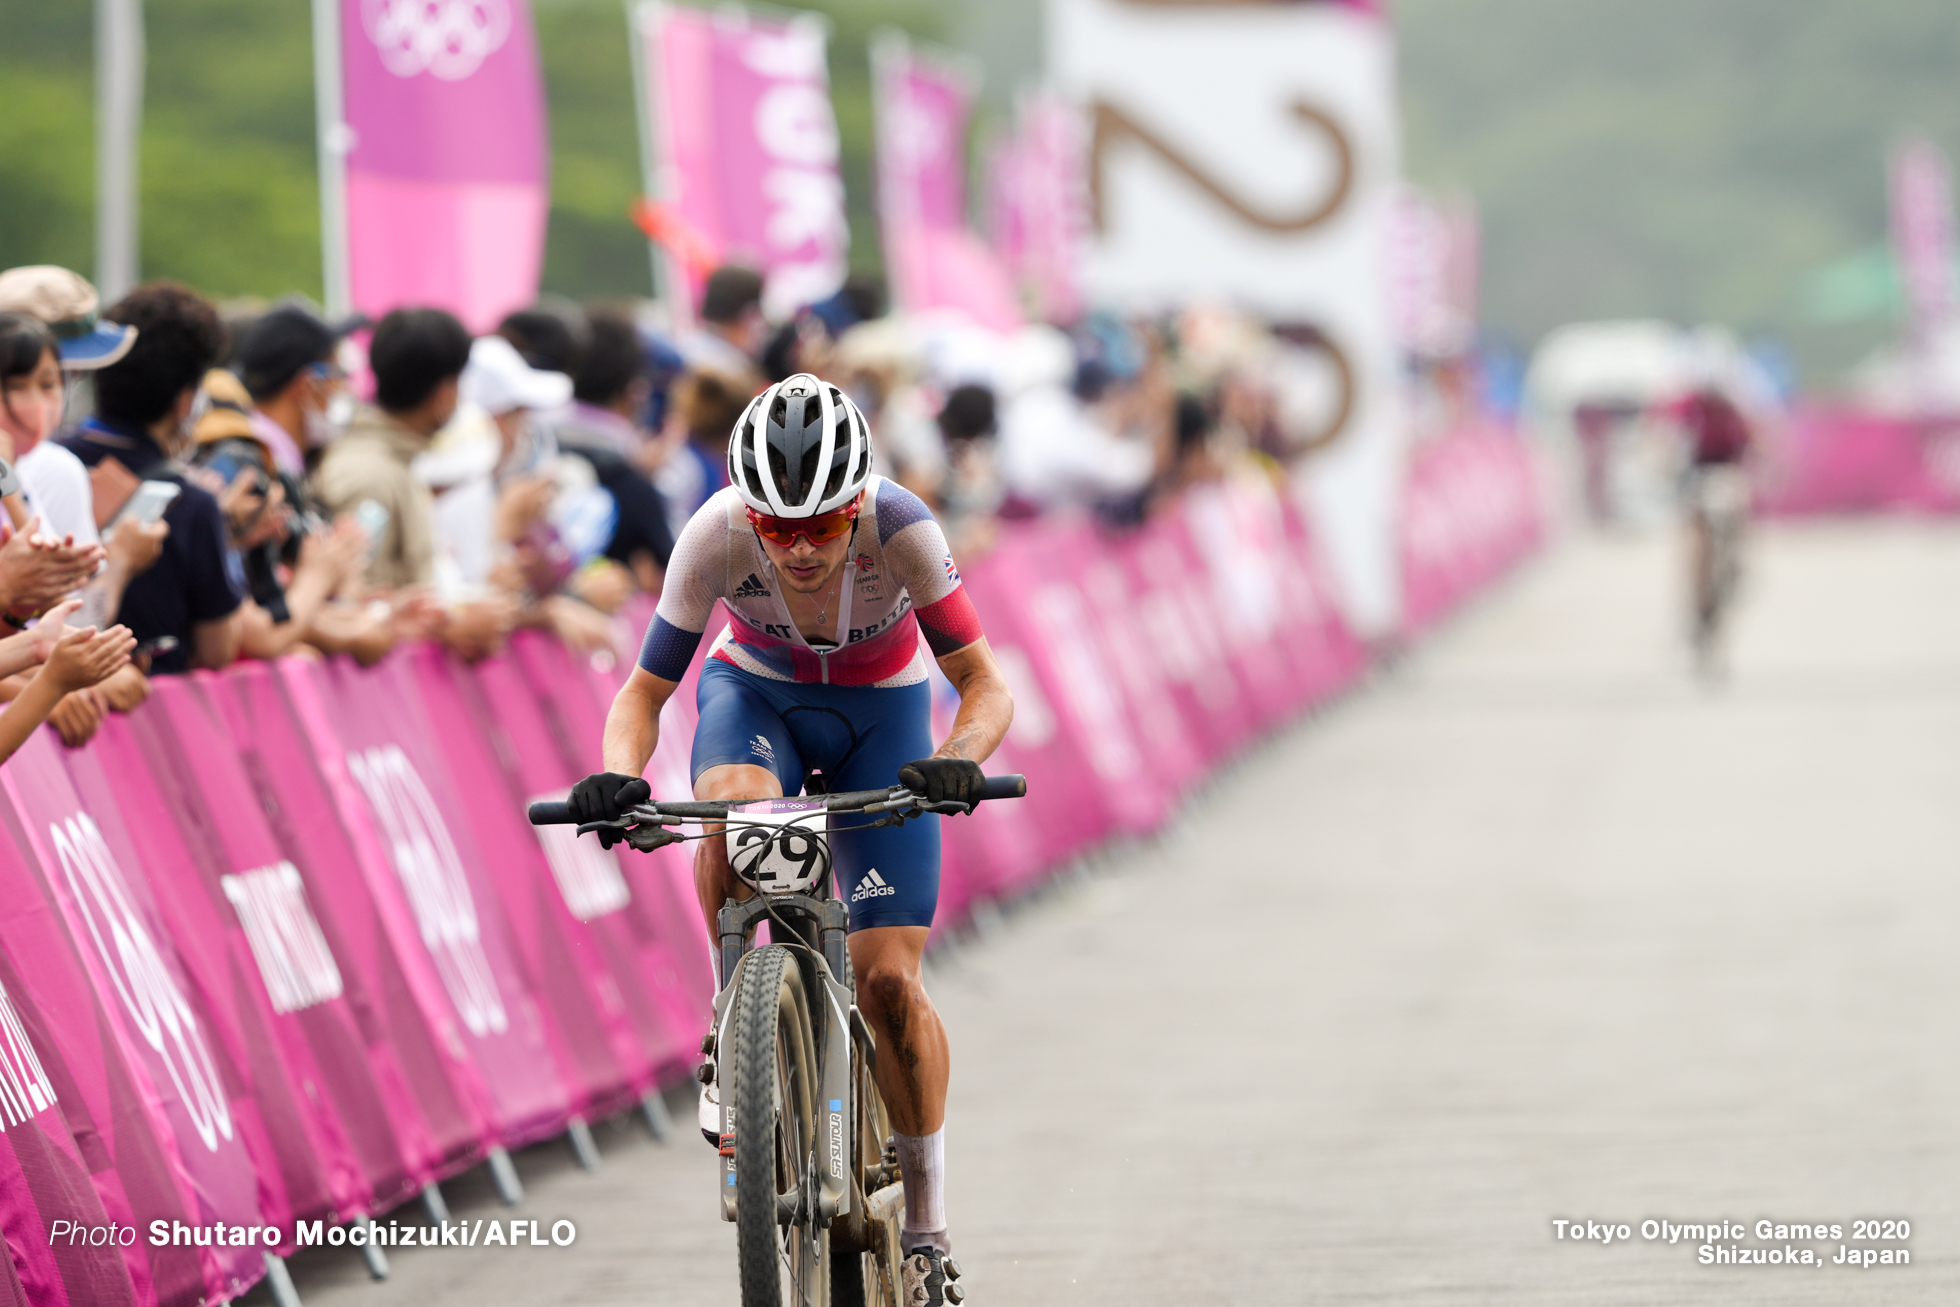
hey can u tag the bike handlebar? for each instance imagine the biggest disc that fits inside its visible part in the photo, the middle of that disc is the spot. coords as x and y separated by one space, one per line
557 812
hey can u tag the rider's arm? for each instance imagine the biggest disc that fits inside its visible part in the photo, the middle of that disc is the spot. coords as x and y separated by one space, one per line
986 707
633 722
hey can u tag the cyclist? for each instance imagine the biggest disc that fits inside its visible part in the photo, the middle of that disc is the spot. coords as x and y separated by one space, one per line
1716 493
830 575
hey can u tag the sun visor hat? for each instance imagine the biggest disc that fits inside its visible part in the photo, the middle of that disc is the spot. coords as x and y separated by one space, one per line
67 304
498 380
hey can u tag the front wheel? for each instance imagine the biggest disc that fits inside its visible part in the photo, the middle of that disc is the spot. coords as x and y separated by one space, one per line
772 1083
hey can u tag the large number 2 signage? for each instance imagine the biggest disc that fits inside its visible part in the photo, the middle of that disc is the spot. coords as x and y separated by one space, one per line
1114 127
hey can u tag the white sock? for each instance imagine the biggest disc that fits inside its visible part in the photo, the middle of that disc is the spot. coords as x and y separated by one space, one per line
922 1161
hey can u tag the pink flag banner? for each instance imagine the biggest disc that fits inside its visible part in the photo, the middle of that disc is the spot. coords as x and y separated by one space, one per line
444 140
143 1053
933 260
424 864
437 1105
298 1032
1038 205
743 150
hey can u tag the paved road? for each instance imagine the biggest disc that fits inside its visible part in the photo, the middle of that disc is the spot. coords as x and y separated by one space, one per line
1533 928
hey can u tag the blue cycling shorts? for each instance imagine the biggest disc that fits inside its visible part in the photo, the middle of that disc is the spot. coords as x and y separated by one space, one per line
858 736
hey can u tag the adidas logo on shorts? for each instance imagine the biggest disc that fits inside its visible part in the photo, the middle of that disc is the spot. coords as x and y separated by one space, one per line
752 588
872 887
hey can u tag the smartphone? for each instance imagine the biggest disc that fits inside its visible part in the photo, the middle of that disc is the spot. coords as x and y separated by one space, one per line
150 500
373 517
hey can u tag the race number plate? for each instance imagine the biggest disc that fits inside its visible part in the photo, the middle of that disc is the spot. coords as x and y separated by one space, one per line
779 845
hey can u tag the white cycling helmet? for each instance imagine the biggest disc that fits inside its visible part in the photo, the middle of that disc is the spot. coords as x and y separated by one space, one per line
800 449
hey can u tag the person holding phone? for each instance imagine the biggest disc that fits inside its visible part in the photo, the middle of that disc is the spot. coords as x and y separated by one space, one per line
146 409
54 486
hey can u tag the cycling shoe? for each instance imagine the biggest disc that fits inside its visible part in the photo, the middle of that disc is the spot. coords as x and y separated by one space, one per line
930 1277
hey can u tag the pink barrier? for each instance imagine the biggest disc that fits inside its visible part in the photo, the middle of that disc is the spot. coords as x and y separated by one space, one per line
435 1103
44 1177
145 1083
1472 508
428 872
1841 461
335 1115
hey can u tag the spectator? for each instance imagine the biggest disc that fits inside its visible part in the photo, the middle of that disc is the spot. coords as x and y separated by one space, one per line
418 357
611 385
971 493
57 494
142 422
76 662
1055 451
699 422
282 610
53 479
299 396
733 330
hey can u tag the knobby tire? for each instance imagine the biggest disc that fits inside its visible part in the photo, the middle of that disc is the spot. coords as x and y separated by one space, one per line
774 1087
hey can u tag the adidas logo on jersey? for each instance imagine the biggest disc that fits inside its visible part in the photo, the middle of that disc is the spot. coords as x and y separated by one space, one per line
872 887
752 588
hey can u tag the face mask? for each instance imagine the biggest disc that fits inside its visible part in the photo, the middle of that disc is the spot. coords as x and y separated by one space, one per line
325 428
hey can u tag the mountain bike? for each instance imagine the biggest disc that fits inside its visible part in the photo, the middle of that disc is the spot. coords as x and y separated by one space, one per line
809 1173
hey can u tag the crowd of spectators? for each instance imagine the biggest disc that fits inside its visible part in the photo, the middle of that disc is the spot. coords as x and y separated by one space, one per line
186 490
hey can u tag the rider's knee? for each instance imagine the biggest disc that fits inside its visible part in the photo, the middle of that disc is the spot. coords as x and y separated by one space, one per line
890 986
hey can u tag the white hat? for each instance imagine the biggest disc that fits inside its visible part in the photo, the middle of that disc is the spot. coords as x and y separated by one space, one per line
498 379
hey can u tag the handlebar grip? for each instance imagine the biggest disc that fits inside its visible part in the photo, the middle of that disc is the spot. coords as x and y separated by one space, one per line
1005 787
548 812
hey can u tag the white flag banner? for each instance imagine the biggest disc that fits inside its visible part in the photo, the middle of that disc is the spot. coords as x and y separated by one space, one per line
1247 154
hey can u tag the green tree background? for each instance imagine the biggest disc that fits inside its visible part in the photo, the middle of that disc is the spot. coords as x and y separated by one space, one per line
1699 161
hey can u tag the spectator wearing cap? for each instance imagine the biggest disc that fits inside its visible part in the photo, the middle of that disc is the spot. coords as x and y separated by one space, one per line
292 580
288 364
733 331
55 487
418 357
55 481
144 404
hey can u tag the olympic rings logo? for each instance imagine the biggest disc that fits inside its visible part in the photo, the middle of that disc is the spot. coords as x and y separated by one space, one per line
449 38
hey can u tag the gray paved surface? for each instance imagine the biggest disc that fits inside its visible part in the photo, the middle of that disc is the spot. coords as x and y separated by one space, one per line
1533 928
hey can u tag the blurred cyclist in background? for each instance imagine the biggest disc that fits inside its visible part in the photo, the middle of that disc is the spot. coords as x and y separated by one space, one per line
1715 493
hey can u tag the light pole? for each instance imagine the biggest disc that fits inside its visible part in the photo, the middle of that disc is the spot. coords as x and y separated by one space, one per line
118 135
336 143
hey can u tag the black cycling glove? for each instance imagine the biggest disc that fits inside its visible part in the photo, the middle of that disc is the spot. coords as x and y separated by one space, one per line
606 795
943 779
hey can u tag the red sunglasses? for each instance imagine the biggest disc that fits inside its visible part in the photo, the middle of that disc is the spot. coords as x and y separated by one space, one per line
819 531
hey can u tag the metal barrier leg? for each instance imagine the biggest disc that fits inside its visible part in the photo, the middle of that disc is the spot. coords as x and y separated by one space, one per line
280 1281
583 1146
377 1260
660 1122
434 1204
504 1172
